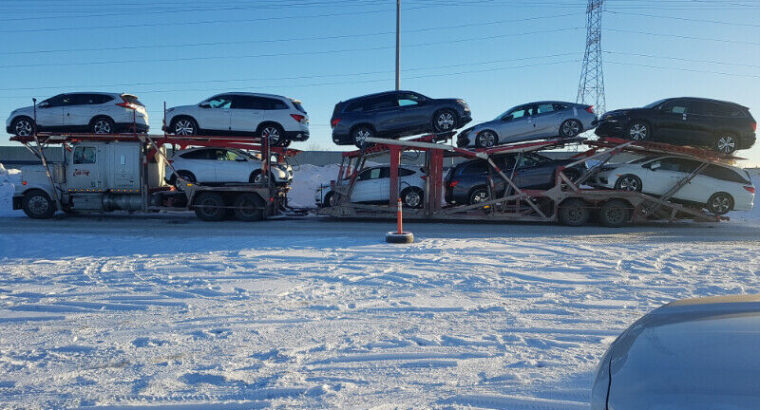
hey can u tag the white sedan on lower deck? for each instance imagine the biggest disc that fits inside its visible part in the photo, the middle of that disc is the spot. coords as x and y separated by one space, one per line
373 185
720 188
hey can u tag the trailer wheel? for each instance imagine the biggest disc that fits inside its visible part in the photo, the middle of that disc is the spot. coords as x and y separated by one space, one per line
574 212
247 207
38 205
412 197
209 206
720 203
614 213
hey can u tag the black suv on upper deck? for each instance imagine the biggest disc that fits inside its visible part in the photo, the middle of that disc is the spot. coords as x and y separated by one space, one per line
721 125
395 114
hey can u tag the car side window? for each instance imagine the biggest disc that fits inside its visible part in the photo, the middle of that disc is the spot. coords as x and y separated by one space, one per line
84 155
356 106
669 164
560 107
724 174
477 168
675 107
373 173
405 100
220 101
527 161
99 98
380 103
521 112
197 154
233 156
55 101
403 172
80 99
545 108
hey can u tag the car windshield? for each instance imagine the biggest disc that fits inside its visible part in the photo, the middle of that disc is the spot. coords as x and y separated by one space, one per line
506 112
654 104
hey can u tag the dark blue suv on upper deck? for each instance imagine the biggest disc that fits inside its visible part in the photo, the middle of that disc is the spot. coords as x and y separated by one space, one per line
395 114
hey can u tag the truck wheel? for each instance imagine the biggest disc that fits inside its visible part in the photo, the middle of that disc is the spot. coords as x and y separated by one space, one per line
614 213
209 206
573 212
38 205
247 207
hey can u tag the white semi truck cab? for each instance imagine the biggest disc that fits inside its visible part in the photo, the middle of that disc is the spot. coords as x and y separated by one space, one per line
102 176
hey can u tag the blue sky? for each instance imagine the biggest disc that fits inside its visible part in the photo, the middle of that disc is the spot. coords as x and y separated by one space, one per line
494 54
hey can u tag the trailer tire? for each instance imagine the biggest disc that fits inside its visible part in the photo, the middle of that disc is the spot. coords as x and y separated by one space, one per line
209 206
38 205
615 213
574 212
247 207
720 203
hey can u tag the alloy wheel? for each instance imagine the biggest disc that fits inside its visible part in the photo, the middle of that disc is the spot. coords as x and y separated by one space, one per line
184 127
726 144
638 131
445 121
23 127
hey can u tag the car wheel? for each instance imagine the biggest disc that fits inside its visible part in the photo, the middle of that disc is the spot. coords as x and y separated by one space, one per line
272 133
720 203
574 212
38 205
360 135
486 139
102 125
23 126
444 120
639 131
412 197
257 177
628 182
184 126
331 199
614 213
479 195
247 207
725 144
570 129
209 206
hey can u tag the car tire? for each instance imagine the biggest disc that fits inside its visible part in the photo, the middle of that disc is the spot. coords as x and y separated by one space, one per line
486 139
257 177
629 182
614 213
247 207
187 175
102 126
209 206
38 205
23 126
574 212
445 120
331 199
720 203
570 129
273 133
360 134
725 144
478 195
184 126
412 197
638 130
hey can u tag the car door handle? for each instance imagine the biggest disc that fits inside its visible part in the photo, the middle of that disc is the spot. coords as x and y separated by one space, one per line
684 117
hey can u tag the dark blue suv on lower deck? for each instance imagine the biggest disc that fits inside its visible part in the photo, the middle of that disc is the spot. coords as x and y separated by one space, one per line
395 114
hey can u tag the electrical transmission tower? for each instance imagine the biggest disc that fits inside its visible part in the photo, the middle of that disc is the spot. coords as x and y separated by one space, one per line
591 86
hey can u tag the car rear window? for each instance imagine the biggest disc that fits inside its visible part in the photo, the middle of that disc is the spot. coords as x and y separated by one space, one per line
298 106
132 99
725 174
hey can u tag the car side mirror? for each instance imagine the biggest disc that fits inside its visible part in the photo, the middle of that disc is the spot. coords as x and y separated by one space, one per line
43 104
655 165
204 105
240 159
507 117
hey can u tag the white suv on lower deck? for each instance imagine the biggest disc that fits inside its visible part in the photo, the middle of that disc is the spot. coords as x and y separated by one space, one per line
95 112
278 118
223 165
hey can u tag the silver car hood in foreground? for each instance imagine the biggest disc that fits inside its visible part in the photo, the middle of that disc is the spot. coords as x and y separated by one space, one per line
690 354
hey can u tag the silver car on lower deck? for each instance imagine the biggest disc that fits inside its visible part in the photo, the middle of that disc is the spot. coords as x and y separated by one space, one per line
536 120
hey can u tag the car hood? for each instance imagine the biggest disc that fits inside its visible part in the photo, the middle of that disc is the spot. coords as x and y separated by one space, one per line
622 111
23 110
182 108
693 353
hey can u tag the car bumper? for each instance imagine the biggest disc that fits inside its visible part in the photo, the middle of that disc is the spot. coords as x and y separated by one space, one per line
610 129
18 202
9 130
297 135
342 139
132 127
747 142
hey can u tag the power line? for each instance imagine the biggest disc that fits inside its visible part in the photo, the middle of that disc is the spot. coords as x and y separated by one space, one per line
754 43
728 23
690 60
684 69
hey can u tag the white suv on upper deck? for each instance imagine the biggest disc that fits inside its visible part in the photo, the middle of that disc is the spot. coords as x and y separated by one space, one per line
278 118
95 112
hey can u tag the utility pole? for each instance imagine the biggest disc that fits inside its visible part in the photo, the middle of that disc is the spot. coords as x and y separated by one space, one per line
591 85
398 45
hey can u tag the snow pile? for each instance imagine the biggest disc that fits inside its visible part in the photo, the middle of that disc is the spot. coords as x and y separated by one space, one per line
752 216
306 180
9 178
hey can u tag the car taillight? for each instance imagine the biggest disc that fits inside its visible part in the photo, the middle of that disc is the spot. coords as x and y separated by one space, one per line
590 109
23 182
334 122
298 117
424 177
126 104
452 184
749 188
754 126
171 161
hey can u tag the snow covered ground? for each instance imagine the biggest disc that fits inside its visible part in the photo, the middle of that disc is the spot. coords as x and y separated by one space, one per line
116 311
